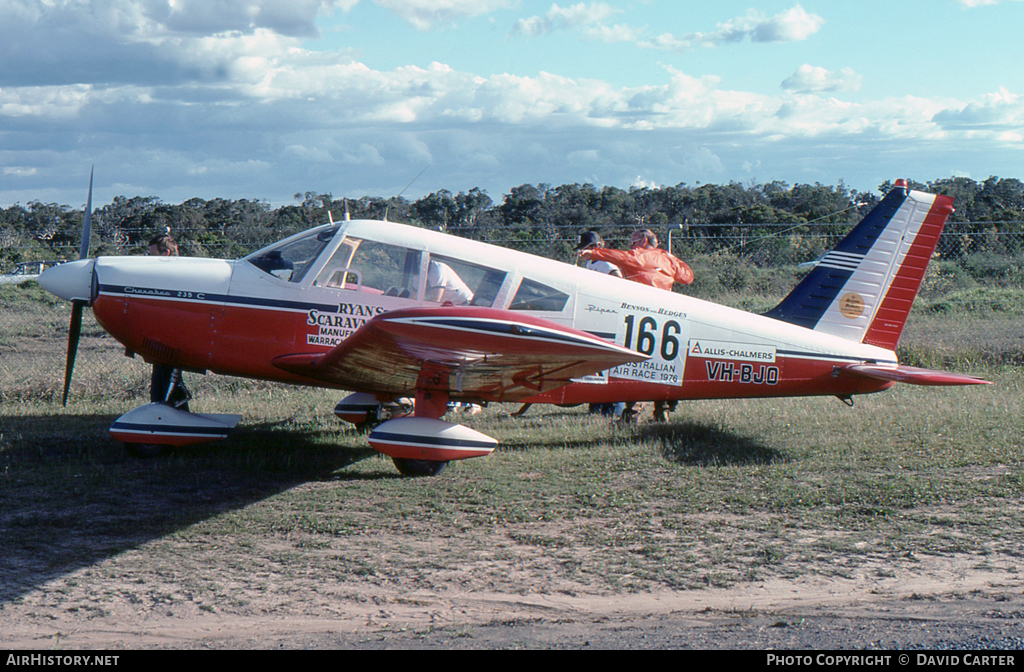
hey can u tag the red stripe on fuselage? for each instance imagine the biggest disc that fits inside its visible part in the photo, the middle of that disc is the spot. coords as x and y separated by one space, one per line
243 341
169 332
797 377
231 340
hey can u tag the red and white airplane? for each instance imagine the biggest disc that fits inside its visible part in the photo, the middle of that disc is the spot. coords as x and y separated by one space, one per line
394 312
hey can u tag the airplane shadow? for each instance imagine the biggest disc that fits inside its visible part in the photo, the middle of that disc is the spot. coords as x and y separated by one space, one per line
702 444
686 443
70 497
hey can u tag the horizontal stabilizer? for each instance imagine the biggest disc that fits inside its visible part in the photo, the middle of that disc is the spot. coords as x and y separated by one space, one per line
913 375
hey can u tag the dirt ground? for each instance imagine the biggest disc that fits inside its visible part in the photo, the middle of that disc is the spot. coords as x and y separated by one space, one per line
947 602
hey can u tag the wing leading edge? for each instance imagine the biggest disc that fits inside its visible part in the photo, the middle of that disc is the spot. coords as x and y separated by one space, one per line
480 353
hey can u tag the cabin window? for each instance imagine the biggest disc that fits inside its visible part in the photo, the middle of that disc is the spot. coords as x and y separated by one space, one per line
293 257
369 266
462 283
533 295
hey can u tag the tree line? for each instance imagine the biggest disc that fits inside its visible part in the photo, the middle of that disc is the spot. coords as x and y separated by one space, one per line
228 228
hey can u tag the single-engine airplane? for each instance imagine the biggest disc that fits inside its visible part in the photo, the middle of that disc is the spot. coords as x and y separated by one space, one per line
391 312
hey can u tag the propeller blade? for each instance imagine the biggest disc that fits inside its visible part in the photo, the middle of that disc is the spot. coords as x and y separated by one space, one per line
78 305
74 333
83 252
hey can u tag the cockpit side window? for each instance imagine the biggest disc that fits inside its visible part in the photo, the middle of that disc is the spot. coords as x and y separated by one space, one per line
462 283
291 259
533 295
369 266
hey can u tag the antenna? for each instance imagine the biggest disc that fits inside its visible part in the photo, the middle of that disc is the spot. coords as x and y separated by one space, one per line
404 190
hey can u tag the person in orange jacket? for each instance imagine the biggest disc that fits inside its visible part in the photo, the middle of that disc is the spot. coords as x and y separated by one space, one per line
644 262
647 264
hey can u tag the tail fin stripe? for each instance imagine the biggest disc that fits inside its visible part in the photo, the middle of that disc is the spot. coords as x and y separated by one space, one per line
886 328
863 290
841 261
813 297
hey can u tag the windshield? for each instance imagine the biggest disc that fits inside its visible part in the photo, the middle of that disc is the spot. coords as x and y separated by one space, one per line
291 258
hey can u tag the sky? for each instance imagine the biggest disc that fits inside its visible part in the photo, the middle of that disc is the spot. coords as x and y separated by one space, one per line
266 99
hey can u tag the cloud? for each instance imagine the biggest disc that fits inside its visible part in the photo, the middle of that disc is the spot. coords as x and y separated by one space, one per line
151 42
810 79
294 18
793 25
982 3
1001 112
224 102
426 14
667 42
563 18
613 34
44 102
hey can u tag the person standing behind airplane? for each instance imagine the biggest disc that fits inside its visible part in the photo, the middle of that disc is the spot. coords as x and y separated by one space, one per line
592 240
166 384
644 262
647 264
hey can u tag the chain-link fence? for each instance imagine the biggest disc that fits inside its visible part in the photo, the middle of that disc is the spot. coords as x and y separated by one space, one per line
751 266
768 244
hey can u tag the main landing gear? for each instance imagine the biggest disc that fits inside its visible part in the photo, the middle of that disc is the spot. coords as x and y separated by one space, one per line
421 444
416 468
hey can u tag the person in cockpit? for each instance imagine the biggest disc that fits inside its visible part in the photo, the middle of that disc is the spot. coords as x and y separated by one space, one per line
444 284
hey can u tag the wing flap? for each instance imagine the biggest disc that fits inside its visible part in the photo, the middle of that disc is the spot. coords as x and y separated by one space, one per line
469 352
913 375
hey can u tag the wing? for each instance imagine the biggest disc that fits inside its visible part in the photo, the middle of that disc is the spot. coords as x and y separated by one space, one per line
493 355
913 375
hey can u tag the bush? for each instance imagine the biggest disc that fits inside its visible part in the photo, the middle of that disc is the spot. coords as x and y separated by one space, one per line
992 266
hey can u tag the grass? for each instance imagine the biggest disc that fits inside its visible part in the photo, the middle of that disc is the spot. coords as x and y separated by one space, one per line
727 491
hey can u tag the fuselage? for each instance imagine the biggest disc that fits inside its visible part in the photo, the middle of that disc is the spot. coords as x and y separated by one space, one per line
309 292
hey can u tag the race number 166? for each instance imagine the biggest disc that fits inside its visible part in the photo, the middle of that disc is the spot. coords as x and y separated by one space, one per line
650 338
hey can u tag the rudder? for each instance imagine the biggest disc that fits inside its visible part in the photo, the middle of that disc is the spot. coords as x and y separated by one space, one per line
863 289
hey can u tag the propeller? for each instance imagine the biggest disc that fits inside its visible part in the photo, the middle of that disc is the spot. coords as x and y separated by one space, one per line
78 305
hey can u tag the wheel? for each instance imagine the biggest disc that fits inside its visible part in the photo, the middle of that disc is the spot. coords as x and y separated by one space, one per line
145 450
409 467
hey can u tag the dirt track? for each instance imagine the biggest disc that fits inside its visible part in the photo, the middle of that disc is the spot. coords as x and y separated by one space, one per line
925 603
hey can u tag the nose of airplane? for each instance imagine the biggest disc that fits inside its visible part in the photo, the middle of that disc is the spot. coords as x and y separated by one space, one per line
72 280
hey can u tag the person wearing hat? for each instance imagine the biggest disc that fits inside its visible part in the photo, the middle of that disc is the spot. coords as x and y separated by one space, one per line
644 262
589 241
647 264
592 240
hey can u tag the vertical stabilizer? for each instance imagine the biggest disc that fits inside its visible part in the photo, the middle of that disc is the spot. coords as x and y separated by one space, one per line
864 288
